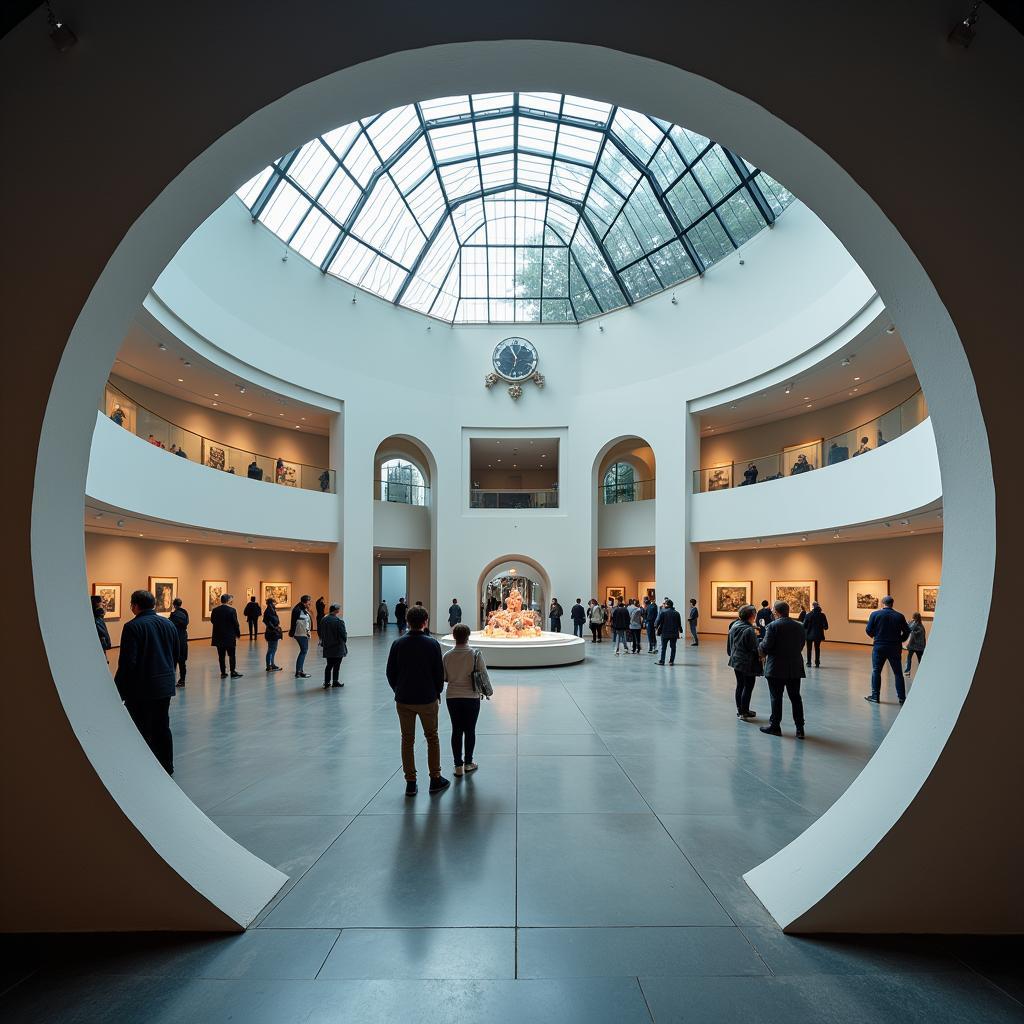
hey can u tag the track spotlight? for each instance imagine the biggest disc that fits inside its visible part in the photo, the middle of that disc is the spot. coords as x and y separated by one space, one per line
162 346
284 256
891 329
964 31
60 35
120 523
675 301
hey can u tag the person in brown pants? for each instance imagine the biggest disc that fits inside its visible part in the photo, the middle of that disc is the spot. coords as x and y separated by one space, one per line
416 675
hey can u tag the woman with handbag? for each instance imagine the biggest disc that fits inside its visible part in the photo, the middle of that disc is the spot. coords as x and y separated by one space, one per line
468 683
273 632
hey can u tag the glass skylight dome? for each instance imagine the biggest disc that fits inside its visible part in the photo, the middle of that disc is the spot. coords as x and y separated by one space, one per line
513 207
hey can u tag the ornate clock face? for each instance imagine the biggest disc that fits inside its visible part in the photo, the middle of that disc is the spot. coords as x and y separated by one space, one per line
515 359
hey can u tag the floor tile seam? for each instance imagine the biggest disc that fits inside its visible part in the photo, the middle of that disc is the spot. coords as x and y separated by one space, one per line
789 799
337 939
682 853
643 996
987 980
323 852
18 982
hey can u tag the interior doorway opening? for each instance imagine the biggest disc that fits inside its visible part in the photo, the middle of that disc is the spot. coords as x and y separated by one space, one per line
394 585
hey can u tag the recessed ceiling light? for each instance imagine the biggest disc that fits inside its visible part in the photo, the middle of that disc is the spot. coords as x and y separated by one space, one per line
181 380
186 362
297 427
807 406
141 535
216 394
856 378
248 414
280 414
303 418
891 329
216 403
803 538
499 460
162 347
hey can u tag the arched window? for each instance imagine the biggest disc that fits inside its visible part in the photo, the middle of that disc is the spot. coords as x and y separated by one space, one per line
619 483
401 481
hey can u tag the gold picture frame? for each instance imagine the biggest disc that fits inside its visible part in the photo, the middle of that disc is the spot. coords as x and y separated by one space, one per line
212 590
279 590
728 596
165 590
111 594
798 594
864 597
927 599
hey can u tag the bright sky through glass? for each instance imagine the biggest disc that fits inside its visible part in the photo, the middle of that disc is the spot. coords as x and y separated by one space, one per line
513 207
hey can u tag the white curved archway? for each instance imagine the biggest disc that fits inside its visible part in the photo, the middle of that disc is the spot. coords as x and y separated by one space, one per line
815 883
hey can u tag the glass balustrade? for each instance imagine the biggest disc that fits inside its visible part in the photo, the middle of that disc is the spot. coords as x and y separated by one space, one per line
633 490
126 412
797 459
400 491
482 497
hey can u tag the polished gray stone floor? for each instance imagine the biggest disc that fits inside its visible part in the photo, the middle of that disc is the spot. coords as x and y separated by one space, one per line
590 871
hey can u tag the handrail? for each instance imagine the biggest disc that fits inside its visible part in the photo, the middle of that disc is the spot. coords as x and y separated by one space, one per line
615 494
512 498
126 412
827 451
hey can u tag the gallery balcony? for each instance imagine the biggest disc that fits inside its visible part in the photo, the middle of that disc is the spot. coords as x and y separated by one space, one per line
125 412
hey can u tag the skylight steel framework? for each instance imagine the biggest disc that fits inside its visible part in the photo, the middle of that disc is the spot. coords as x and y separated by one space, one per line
513 207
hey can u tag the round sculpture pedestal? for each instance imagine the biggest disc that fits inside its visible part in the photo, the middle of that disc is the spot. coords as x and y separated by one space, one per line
542 651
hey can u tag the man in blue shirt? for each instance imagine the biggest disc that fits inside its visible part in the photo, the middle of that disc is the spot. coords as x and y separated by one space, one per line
889 630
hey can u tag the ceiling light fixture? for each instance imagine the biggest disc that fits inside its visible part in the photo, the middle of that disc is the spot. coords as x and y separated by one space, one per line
891 329
186 362
215 404
60 35
181 380
856 378
675 301
904 522
962 33
789 387
162 346
803 538
216 394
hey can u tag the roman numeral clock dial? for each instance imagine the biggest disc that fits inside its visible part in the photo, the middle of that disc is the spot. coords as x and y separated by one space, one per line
515 361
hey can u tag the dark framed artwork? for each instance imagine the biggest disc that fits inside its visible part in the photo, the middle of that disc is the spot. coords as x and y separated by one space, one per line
927 599
728 596
165 590
798 594
111 594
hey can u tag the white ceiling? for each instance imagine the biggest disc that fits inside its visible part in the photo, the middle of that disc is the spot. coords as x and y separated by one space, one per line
142 360
513 453
103 518
876 360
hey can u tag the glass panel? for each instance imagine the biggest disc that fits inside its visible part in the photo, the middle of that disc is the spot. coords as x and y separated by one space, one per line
383 185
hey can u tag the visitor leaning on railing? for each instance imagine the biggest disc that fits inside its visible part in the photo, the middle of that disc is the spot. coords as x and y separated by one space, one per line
125 412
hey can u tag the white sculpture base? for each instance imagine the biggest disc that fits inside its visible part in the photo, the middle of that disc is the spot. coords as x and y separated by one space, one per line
542 651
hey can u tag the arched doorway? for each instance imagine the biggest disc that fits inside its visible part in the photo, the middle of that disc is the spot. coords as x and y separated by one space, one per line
512 572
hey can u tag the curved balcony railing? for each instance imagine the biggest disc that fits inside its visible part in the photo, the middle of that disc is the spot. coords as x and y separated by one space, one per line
812 455
484 497
126 412
616 494
401 492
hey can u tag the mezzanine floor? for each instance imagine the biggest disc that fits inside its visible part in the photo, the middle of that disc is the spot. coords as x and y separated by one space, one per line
590 871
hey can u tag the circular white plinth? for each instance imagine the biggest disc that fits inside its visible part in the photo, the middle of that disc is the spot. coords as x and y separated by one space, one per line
530 652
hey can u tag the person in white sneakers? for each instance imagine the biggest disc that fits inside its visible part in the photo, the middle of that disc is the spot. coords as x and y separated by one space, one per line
462 697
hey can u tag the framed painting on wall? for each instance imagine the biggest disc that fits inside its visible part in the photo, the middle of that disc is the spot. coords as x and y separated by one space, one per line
280 592
111 594
645 588
864 597
927 599
793 465
718 478
212 589
287 473
614 594
798 594
214 455
165 590
728 596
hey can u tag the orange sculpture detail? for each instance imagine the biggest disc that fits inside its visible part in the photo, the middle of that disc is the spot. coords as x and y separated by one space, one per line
513 621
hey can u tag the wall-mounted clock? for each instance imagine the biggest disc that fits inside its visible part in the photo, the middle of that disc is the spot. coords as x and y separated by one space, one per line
514 360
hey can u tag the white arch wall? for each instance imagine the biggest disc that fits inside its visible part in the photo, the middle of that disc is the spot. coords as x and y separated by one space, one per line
856 875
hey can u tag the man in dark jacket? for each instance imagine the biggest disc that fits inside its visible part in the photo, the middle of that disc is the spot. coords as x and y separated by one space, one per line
254 472
145 675
321 611
783 650
651 621
578 614
815 626
620 625
226 631
889 630
691 618
401 610
101 626
669 625
179 619
416 674
334 638
764 616
252 613
454 613
555 613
